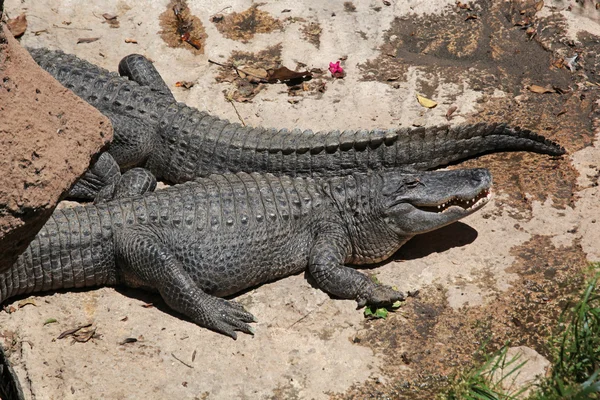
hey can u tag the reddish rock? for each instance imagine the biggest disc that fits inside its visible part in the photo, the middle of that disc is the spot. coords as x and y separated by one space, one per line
47 138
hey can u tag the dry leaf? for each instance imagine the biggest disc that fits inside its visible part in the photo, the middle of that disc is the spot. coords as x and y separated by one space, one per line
259 73
109 17
464 6
129 40
87 40
17 25
425 102
540 89
80 334
184 84
283 74
539 5
450 111
471 16
24 303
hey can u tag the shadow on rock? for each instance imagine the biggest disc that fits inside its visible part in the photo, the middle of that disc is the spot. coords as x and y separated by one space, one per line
440 240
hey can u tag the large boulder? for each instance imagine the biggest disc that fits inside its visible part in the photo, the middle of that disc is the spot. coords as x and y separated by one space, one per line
48 137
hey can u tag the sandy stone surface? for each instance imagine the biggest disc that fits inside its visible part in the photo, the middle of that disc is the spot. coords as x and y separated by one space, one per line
47 138
493 275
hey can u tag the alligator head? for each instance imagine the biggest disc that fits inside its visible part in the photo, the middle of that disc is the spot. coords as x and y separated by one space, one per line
390 208
419 203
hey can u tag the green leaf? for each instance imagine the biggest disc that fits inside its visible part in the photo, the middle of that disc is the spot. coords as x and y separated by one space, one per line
372 312
50 321
381 313
397 304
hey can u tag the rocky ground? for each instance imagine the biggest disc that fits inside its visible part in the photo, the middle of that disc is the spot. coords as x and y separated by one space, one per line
501 275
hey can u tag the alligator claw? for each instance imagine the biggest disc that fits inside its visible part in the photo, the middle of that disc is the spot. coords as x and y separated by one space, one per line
227 317
380 295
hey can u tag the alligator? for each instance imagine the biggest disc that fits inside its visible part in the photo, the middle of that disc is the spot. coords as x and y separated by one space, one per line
178 143
216 236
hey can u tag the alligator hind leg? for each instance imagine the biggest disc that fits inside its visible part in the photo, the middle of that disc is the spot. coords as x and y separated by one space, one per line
146 260
134 182
139 69
104 172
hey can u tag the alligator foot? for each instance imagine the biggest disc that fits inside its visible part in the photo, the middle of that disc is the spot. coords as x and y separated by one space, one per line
134 182
141 70
104 172
380 295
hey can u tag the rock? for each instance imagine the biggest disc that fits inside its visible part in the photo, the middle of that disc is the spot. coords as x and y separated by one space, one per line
47 139
535 367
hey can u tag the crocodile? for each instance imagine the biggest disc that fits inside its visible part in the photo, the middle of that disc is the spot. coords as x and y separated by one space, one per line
178 143
216 236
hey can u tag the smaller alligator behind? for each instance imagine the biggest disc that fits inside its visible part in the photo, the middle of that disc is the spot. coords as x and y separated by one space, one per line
178 143
219 235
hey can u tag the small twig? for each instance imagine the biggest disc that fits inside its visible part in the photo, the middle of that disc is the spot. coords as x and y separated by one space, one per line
307 314
238 70
181 361
220 11
221 65
71 29
236 111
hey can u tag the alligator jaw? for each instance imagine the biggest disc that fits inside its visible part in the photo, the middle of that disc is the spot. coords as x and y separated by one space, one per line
457 203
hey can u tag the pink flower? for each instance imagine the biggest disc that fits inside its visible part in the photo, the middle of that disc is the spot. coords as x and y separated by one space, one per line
336 70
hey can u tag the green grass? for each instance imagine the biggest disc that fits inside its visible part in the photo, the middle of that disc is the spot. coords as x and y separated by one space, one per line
484 382
576 352
575 373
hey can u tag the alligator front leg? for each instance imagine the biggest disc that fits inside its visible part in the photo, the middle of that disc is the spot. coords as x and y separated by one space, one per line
326 266
146 260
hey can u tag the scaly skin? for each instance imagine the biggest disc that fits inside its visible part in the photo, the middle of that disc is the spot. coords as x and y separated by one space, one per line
178 143
222 234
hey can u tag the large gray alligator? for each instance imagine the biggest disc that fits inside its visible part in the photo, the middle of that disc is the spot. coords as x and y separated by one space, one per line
219 235
178 143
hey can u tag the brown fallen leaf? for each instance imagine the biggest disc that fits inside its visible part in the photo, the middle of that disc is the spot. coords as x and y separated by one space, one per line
72 331
195 43
253 74
540 89
109 17
539 5
87 40
17 25
464 6
129 40
471 16
283 74
184 84
450 111
128 340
